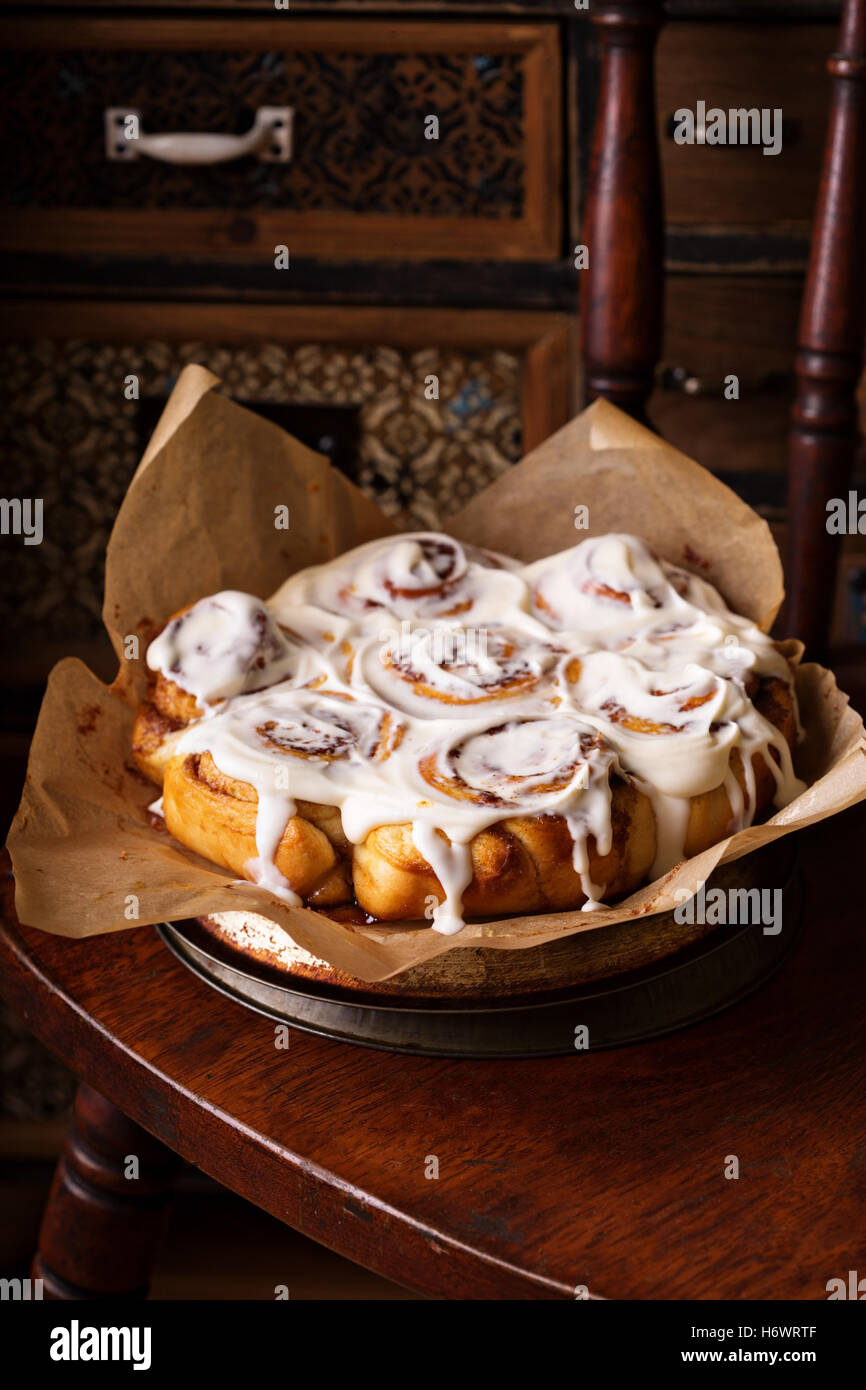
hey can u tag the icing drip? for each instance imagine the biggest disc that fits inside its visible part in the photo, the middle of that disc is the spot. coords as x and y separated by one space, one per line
415 681
451 862
672 821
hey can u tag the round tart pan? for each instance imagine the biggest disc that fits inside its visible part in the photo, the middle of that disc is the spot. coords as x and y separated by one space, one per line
628 1006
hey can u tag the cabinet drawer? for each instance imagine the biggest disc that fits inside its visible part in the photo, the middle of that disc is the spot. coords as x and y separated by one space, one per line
363 179
746 326
715 327
350 382
735 66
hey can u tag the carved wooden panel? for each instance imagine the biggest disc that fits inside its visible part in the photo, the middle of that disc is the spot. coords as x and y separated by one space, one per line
363 161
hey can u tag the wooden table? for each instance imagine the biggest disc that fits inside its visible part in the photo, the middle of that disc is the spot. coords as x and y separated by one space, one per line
602 1170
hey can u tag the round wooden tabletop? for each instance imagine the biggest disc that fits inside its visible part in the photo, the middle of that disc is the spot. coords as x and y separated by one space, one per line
601 1171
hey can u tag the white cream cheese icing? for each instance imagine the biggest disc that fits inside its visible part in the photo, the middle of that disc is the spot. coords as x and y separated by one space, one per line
415 681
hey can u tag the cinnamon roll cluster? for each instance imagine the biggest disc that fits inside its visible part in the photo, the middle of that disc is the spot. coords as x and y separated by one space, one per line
433 731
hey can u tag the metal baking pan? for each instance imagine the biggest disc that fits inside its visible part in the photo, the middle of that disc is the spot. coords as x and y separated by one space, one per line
680 990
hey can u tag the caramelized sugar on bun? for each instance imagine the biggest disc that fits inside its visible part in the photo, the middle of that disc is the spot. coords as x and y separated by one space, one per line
429 731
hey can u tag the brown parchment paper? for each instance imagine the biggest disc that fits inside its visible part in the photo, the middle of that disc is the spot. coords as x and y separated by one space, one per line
199 516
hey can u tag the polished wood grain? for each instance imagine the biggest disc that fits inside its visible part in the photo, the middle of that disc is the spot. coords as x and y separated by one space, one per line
254 235
829 360
622 290
602 1169
176 321
266 30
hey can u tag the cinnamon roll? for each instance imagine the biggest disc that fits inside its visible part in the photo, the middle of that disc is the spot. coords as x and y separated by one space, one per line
427 731
566 828
431 672
223 646
255 787
420 575
612 589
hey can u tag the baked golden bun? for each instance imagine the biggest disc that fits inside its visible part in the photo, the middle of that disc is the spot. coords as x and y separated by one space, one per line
522 864
499 711
154 735
215 815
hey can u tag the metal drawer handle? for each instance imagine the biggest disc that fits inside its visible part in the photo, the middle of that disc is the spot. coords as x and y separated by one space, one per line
688 383
792 132
269 138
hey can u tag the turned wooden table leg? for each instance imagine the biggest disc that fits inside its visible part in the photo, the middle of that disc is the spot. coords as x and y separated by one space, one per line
108 1206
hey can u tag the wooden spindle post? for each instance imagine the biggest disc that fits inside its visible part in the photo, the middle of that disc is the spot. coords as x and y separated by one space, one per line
623 226
829 359
104 1220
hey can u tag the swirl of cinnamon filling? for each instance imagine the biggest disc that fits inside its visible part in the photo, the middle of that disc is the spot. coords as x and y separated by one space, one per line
311 726
326 727
450 669
419 575
519 764
691 738
543 801
226 645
